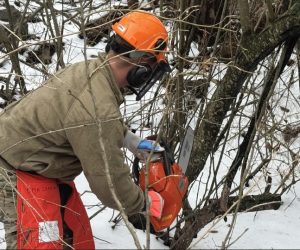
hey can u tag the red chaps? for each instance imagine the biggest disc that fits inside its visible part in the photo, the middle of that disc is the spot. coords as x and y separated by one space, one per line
50 214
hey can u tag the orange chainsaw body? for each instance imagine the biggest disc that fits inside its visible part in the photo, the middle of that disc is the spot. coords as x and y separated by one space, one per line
171 187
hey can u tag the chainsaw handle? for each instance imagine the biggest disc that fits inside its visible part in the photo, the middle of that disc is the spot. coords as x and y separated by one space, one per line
136 161
167 159
166 162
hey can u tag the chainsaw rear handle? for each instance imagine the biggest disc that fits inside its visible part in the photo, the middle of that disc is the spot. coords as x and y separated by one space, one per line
167 159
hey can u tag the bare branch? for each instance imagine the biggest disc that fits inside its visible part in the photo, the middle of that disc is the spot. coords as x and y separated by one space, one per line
245 16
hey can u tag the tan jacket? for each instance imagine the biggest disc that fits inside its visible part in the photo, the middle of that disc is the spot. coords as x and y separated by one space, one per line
52 131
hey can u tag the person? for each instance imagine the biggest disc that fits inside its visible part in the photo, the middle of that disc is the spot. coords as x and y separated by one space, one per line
55 132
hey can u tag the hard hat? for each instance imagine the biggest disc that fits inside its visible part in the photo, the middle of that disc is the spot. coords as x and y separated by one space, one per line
144 32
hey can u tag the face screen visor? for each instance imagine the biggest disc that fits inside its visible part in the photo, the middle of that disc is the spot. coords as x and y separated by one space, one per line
158 72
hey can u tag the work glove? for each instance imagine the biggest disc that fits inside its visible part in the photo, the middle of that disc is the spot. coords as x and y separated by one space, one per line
156 202
142 148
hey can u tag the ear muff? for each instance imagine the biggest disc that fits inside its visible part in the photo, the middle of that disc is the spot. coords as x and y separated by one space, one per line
139 75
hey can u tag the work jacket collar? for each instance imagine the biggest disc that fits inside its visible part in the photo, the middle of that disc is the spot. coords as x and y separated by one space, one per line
111 78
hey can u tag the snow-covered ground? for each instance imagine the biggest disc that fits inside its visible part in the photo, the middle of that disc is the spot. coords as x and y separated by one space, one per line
273 229
278 229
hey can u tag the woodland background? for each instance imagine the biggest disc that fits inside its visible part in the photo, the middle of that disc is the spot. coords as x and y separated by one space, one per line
235 81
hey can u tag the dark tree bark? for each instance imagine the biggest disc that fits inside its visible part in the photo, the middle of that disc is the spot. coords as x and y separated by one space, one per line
254 48
201 217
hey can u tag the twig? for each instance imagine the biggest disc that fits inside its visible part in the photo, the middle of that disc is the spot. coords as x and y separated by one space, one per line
103 148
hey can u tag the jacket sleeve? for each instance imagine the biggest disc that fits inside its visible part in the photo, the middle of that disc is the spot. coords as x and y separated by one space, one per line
85 143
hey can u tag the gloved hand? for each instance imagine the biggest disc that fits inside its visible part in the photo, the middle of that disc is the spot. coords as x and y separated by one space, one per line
156 204
141 148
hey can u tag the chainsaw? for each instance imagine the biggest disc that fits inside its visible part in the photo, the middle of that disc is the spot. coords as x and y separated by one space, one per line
167 178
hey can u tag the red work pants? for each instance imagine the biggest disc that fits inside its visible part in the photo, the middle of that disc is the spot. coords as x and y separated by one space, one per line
50 215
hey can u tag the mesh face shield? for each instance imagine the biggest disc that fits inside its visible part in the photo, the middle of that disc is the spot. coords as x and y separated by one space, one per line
144 85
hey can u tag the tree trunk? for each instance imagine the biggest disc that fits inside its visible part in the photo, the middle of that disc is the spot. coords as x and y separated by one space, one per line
201 217
254 48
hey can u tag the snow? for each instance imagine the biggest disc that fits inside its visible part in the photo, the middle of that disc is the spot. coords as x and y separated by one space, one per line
273 229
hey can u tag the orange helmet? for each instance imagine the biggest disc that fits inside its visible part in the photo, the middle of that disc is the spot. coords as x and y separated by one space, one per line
144 32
